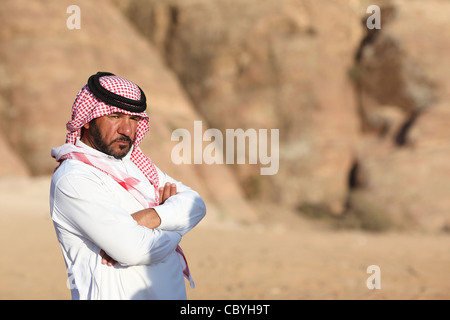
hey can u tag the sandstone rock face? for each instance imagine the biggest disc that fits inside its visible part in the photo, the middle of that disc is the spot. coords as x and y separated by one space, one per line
46 64
362 114
289 65
404 100
271 64
12 165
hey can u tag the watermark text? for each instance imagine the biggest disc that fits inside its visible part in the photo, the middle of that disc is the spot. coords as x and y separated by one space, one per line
374 21
74 20
374 281
233 149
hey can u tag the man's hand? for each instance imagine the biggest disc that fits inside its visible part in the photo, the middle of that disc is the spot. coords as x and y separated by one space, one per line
148 217
106 259
169 189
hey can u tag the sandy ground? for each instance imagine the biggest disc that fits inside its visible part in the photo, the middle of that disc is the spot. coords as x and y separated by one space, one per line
284 257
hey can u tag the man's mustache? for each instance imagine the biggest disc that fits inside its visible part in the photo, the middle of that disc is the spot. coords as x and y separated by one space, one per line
123 138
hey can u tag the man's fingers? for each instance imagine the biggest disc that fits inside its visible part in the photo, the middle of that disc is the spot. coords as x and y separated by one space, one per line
173 189
106 259
104 256
161 191
167 191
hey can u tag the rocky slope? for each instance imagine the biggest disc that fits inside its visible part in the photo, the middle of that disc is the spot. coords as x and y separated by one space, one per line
348 100
362 114
44 64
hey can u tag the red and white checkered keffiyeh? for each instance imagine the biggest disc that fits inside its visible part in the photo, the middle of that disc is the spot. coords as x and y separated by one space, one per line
88 107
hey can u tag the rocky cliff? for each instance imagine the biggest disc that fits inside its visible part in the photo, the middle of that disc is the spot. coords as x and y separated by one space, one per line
362 113
43 66
349 100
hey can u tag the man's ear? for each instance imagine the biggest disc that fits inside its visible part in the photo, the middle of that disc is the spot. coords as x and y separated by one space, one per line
83 130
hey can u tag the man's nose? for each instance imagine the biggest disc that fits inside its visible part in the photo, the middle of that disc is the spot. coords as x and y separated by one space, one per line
125 127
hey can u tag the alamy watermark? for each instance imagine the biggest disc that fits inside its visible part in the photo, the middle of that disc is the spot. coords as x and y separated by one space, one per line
374 281
74 20
234 149
374 21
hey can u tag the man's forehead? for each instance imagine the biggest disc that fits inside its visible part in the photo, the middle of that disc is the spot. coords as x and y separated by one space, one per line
121 114
130 115
126 113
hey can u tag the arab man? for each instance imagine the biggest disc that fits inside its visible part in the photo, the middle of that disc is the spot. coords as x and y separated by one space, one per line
118 218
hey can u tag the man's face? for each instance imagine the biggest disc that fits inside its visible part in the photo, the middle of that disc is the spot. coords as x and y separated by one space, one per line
112 134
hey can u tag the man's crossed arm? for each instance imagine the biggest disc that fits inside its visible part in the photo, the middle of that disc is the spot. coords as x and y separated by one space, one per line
148 218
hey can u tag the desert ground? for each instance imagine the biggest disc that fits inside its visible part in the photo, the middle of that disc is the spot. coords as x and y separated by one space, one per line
281 257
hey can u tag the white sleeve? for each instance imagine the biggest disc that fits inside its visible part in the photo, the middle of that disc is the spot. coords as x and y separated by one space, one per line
180 212
86 208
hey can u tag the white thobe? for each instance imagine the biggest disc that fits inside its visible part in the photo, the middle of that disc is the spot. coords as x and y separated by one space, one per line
91 212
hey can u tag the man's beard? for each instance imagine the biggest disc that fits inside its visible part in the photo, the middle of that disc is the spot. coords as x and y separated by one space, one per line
102 146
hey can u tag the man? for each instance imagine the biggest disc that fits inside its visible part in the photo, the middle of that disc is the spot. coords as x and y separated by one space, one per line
117 216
